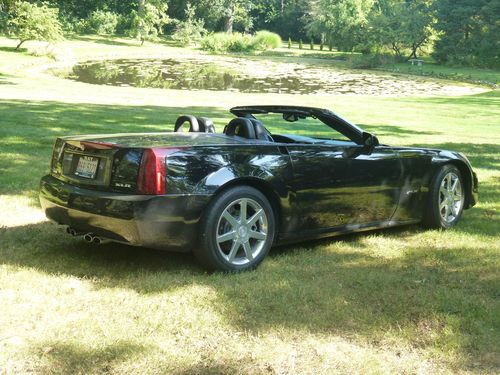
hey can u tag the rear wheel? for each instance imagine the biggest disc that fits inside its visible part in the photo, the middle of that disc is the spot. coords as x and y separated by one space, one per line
237 230
446 198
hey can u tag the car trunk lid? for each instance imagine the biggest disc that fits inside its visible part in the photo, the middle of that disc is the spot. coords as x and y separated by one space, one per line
113 162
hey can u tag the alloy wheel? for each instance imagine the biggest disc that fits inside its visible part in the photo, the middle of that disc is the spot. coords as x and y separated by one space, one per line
242 230
451 198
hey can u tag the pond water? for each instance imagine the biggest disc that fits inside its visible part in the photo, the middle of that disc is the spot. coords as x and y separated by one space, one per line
253 76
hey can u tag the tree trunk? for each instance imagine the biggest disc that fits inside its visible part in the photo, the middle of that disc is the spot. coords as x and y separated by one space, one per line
141 8
141 12
19 45
230 19
413 54
282 6
396 50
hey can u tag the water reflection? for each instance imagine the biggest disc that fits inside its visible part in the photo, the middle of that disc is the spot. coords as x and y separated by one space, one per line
252 76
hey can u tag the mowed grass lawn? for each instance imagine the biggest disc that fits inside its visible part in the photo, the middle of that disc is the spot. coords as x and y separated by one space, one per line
404 300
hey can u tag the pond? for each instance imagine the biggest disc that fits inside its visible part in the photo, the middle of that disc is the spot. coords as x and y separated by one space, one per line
253 76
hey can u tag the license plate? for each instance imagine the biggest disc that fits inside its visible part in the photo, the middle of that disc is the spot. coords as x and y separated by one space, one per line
87 167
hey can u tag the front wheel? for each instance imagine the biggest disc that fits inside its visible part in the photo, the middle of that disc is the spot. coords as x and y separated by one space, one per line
446 198
237 230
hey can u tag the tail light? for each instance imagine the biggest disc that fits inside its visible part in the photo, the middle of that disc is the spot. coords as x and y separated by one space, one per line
153 171
56 155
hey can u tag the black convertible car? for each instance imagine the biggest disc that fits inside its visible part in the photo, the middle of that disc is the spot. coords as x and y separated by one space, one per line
229 197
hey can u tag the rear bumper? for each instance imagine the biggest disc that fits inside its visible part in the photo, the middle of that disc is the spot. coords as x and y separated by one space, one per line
162 222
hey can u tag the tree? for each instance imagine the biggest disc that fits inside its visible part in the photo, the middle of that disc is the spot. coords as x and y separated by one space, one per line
343 21
191 29
285 17
469 32
403 26
148 21
34 22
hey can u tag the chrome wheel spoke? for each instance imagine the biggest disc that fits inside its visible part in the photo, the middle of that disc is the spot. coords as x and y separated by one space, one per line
233 251
243 211
442 205
453 209
248 250
230 218
226 236
257 235
255 217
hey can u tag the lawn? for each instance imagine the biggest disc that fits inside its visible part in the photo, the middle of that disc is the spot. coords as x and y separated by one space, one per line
404 300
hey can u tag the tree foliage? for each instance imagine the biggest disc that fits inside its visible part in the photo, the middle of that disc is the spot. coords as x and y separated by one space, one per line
470 32
457 31
191 30
401 26
28 21
344 22
148 21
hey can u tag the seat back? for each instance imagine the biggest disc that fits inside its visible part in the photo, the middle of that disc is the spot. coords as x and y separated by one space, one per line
241 127
260 131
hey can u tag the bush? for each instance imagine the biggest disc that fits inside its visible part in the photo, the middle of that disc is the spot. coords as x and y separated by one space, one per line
369 61
264 40
222 42
236 42
102 22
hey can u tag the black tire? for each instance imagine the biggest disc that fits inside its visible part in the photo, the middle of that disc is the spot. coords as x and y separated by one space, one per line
433 215
215 255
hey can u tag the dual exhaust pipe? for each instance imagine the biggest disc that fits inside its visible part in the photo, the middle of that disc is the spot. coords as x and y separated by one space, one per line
88 237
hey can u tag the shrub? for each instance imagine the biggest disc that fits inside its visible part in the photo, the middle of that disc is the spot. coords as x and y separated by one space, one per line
236 42
240 43
102 22
264 40
369 61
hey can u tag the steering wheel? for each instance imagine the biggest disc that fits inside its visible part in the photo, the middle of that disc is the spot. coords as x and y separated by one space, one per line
193 124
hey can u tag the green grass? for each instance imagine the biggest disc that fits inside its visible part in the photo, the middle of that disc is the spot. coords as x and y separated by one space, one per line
404 300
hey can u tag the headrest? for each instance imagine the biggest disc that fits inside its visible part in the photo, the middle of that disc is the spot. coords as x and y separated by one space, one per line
241 127
193 123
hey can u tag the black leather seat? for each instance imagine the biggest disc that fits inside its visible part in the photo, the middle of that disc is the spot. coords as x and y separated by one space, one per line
260 131
248 128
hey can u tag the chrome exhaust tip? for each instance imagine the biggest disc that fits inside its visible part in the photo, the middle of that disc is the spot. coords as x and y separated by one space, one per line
73 231
92 238
89 237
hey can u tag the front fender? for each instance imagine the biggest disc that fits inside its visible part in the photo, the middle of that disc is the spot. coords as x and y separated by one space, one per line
464 166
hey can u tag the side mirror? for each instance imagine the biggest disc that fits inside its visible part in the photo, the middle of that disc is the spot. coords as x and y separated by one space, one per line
370 141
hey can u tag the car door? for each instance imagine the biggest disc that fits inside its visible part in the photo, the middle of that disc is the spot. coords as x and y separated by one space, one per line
343 185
